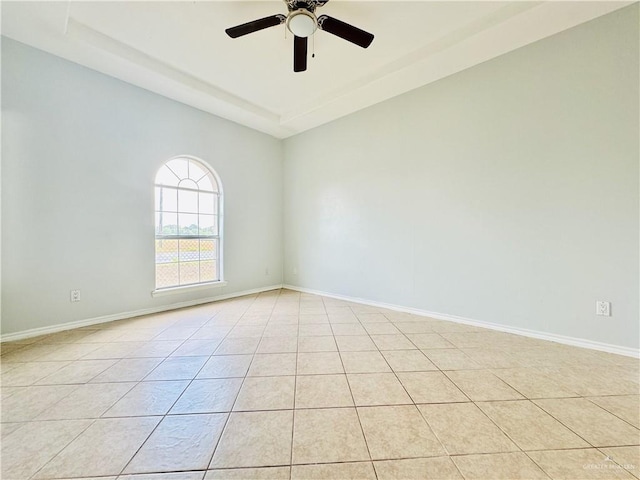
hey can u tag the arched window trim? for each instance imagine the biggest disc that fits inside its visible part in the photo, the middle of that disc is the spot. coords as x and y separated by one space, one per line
203 285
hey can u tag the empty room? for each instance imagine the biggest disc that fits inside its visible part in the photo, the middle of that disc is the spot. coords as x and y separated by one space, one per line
313 239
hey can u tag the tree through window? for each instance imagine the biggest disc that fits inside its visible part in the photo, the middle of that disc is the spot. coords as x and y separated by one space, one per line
187 210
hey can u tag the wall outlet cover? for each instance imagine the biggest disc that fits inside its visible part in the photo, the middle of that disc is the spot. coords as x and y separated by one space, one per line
603 308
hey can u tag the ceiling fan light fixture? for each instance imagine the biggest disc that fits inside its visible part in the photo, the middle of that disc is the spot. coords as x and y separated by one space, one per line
302 23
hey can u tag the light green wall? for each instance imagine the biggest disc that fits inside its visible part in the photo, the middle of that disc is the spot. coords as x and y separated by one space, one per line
507 193
79 155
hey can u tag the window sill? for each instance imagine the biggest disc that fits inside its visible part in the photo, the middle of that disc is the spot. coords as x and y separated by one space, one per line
187 288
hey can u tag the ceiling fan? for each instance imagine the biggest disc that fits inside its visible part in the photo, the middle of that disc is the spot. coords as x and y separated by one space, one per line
302 22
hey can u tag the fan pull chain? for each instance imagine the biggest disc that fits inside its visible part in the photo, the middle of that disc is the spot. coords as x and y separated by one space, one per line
313 45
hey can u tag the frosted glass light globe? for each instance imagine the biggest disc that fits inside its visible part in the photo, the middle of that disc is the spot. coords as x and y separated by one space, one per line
302 23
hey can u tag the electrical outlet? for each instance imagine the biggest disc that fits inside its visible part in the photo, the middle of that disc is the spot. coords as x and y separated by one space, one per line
266 271
75 295
603 308
295 270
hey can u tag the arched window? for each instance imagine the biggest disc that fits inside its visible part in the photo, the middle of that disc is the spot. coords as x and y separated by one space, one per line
188 220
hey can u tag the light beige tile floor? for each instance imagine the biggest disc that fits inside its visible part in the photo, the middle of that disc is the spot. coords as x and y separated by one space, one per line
284 385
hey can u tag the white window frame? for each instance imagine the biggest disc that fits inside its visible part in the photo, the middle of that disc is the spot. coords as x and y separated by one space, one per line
220 237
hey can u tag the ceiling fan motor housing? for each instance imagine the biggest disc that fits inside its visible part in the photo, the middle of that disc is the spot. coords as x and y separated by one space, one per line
309 5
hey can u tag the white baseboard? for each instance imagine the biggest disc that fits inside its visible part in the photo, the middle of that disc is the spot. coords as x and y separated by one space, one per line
573 341
566 340
35 332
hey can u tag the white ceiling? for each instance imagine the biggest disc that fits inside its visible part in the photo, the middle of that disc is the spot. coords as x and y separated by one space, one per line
179 49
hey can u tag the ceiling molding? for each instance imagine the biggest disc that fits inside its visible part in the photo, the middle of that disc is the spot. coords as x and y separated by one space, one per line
80 32
468 39
420 54
84 33
454 53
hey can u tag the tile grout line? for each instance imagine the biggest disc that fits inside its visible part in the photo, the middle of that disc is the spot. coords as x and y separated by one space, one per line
181 394
93 421
526 452
295 392
224 427
603 408
404 387
456 385
62 448
355 406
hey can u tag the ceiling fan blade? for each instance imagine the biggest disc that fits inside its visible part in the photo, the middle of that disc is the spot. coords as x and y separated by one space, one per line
255 25
299 54
344 30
